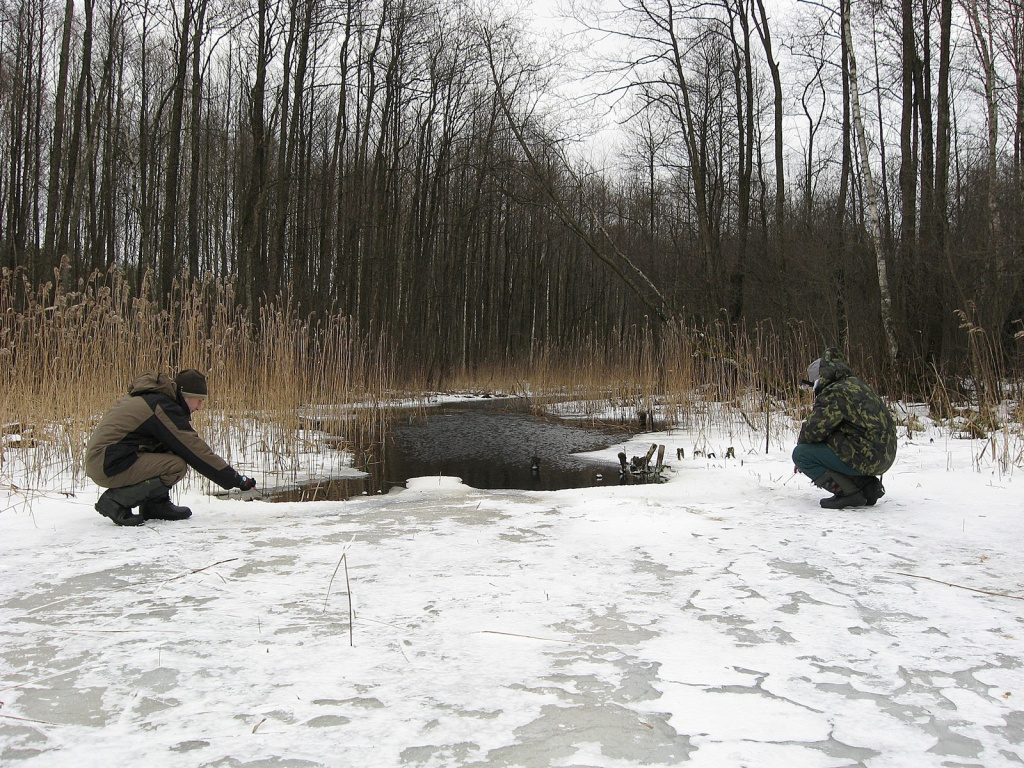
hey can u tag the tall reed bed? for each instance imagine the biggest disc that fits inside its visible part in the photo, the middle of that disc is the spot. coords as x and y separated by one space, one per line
279 380
67 352
746 379
717 375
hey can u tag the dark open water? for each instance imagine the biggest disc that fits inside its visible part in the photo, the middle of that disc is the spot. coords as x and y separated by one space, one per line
490 444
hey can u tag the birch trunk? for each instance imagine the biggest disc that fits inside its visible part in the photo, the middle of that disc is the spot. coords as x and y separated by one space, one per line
874 225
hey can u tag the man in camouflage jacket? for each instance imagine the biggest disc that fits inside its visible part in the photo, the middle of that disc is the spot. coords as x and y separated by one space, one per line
849 437
145 444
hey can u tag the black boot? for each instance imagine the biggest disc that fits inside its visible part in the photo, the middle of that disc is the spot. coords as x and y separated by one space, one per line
117 503
844 489
872 488
163 509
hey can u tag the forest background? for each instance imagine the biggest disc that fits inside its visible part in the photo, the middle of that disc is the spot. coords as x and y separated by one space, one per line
324 200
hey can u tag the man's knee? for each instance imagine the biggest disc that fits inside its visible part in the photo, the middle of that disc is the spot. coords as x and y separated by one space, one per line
171 479
169 467
800 456
173 471
807 458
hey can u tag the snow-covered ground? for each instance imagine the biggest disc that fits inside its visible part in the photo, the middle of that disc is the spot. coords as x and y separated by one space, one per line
719 619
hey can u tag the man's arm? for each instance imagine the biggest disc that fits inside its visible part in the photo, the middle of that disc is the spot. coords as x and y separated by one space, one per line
171 426
823 420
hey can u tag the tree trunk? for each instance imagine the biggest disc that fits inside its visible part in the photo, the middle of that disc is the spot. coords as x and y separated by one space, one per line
53 183
198 169
908 143
764 32
982 31
290 141
744 86
874 228
169 265
253 205
75 147
623 267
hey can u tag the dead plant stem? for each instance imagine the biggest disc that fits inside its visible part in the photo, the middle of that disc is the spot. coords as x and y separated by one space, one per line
348 592
958 586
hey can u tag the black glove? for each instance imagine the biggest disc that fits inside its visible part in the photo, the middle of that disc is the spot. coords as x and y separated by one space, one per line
246 483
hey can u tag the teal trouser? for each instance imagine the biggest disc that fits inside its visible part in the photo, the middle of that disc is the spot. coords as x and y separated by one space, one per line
814 459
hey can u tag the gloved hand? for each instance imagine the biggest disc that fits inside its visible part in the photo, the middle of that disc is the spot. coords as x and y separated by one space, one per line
246 483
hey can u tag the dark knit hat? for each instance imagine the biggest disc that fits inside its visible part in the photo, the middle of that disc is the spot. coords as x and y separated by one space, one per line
191 383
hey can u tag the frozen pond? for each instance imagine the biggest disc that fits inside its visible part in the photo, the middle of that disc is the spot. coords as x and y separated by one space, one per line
720 619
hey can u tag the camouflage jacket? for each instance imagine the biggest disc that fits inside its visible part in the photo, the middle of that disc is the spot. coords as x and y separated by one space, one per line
850 418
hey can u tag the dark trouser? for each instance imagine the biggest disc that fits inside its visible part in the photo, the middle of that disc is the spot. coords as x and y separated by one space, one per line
169 467
815 459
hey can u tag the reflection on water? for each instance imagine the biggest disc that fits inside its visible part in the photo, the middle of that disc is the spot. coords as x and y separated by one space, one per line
488 443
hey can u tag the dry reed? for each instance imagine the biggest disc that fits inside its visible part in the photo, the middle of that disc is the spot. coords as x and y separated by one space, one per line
66 354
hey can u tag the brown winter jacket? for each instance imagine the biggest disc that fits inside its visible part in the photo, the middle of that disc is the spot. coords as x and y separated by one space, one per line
152 418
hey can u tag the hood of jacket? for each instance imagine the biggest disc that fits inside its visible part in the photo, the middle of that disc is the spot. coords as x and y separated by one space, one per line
833 368
159 383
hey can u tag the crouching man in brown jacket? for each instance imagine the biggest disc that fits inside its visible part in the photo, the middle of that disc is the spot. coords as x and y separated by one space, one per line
145 444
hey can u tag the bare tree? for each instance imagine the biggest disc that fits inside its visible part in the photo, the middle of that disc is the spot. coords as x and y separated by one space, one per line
169 251
193 224
872 201
743 74
56 145
252 216
606 251
984 46
761 24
